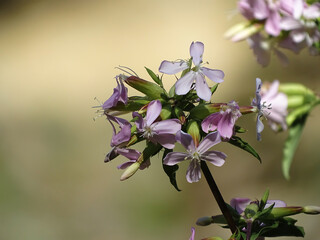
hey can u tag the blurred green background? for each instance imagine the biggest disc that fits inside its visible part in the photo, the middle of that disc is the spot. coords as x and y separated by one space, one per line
57 55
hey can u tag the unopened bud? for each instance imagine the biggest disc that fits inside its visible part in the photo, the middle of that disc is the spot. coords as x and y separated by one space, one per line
203 110
311 210
130 171
204 221
194 130
235 29
284 211
246 33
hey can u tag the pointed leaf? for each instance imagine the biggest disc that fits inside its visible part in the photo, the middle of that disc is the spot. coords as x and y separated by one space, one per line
238 142
154 76
171 171
214 88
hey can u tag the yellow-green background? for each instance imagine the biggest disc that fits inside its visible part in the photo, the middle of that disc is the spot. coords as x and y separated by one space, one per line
56 56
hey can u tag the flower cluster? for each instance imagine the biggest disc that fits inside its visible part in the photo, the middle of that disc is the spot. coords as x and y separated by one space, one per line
288 24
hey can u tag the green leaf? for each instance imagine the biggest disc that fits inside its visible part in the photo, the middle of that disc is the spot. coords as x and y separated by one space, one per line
264 200
284 228
171 171
214 88
239 129
291 144
154 77
203 110
238 142
131 106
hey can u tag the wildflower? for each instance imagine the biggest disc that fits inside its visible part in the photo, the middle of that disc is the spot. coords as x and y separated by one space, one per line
197 73
162 132
123 135
133 155
196 154
272 105
223 121
120 94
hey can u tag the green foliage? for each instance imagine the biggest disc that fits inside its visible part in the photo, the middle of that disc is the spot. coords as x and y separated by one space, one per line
238 142
171 171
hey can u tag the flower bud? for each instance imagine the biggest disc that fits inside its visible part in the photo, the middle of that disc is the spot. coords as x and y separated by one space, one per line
235 29
284 211
204 221
194 130
246 33
311 210
203 110
130 171
150 89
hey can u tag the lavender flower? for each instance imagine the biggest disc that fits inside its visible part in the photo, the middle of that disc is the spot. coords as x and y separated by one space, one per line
272 105
123 135
162 132
196 154
197 73
133 156
120 94
223 121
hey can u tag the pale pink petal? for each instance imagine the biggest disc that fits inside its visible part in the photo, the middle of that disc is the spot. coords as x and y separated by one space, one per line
312 12
183 85
225 125
174 158
169 126
203 91
210 123
153 111
240 204
165 140
194 171
168 67
272 91
196 52
126 164
260 9
297 8
298 35
186 140
289 23
131 154
215 157
273 23
209 141
139 123
213 74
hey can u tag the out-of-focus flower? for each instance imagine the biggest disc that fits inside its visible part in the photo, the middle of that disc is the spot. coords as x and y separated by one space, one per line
120 94
240 204
193 231
133 155
196 154
272 105
267 11
162 132
197 73
223 121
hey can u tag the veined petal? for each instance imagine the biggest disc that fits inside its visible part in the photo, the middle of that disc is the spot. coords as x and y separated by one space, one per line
123 92
173 158
196 52
112 101
258 96
213 74
153 111
183 85
209 141
186 140
203 91
168 67
210 123
215 157
131 154
139 123
259 127
240 204
169 126
226 124
260 9
165 140
193 172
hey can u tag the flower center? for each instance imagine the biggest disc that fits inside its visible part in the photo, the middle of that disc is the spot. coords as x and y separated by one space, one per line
148 133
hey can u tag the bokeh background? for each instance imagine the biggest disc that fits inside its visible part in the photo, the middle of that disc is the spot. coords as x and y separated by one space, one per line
56 56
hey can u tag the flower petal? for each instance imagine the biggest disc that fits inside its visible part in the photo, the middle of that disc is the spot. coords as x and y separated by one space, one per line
126 164
225 125
196 52
131 154
192 233
272 25
166 140
193 172
186 140
169 126
173 158
240 204
213 74
210 123
277 203
259 127
215 157
168 67
153 111
209 141
203 91
139 123
183 85
260 9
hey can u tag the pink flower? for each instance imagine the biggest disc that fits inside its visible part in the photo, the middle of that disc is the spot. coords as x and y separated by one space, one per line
223 121
196 154
197 74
